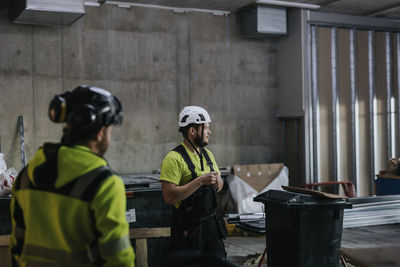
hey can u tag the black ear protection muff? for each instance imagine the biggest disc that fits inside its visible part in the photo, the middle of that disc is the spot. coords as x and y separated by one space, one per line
58 108
83 117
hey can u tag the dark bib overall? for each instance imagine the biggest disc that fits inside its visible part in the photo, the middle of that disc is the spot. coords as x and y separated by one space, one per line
196 225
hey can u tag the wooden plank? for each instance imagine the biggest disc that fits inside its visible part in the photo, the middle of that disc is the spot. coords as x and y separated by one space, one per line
5 256
4 240
133 233
141 252
140 233
312 192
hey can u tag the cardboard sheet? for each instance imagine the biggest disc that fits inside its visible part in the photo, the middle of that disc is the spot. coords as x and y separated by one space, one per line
243 194
258 176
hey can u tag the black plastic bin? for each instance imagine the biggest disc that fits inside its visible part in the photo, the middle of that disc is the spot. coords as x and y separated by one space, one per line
302 230
5 216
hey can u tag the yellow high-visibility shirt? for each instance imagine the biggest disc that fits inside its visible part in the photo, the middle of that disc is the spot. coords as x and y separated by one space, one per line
175 170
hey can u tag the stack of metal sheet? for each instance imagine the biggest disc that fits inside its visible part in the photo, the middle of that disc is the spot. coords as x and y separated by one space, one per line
377 210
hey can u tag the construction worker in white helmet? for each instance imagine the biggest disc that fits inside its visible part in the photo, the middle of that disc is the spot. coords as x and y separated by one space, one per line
190 178
68 208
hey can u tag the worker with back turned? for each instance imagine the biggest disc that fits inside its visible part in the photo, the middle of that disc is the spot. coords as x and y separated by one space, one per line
68 208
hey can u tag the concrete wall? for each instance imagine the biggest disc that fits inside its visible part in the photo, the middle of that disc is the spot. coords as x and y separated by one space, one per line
156 62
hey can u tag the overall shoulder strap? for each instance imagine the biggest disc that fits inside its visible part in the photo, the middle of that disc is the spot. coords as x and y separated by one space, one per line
181 150
44 174
208 159
83 187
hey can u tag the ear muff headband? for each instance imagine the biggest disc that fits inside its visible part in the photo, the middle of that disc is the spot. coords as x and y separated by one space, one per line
85 118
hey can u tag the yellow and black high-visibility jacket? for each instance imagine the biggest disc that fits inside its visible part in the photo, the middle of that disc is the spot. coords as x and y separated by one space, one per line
68 209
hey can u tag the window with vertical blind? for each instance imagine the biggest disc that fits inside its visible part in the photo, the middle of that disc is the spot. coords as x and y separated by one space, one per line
354 102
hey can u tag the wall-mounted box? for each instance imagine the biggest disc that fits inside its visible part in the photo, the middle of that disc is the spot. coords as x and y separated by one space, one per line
46 12
260 21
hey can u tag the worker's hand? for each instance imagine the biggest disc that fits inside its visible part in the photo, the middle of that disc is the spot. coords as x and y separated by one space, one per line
218 185
210 178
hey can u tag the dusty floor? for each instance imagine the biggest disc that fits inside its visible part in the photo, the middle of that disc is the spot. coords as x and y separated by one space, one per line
243 250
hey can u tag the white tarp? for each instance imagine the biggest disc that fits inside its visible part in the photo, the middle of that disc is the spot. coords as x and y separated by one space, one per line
7 177
243 194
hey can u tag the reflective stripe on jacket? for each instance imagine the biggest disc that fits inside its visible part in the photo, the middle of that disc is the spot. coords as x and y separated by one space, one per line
69 209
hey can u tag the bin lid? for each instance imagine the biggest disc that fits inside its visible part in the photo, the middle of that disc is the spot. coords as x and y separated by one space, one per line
299 200
142 182
5 201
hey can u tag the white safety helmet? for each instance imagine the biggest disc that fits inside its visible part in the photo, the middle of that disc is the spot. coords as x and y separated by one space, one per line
193 114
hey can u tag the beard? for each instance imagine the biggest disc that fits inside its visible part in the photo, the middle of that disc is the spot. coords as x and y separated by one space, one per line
199 142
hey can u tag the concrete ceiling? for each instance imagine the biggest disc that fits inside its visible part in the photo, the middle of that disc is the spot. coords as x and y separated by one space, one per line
377 8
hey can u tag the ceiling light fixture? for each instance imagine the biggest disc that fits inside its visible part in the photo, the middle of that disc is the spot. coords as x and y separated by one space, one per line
174 9
124 5
287 4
